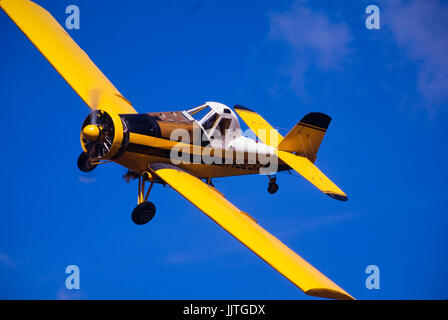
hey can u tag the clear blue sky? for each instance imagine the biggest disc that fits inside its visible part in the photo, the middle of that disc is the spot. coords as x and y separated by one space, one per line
385 90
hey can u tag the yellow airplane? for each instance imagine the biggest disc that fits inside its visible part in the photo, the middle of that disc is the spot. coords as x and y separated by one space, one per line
186 149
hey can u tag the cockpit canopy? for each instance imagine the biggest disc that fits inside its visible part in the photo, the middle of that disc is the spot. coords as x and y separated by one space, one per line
217 120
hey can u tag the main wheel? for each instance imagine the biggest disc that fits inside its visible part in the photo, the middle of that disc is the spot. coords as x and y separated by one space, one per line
84 163
143 213
272 188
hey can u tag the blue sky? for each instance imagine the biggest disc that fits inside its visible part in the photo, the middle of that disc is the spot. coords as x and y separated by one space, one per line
385 90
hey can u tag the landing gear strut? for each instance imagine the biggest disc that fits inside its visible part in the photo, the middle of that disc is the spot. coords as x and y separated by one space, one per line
145 210
85 163
273 186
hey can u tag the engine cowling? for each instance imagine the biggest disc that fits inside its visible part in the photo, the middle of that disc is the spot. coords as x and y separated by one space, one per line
103 135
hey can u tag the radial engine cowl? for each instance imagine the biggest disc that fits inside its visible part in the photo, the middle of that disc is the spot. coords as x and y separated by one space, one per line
102 135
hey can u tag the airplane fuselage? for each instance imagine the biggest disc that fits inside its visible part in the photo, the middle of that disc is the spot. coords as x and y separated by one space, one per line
151 140
208 144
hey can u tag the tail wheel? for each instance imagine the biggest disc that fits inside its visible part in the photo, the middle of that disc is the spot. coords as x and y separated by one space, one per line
143 213
273 188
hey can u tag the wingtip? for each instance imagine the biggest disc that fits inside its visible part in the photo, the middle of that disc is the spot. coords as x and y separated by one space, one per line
340 197
329 294
238 107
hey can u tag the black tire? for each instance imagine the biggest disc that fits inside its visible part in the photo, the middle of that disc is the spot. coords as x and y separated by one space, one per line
84 163
273 188
143 213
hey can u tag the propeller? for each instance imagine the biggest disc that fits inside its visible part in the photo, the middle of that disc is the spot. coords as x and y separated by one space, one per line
97 134
94 96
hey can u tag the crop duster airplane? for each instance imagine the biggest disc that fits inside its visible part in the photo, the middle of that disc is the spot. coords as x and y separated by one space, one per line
143 143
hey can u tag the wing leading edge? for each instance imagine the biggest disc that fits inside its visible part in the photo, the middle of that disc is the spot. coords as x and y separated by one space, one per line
252 235
72 63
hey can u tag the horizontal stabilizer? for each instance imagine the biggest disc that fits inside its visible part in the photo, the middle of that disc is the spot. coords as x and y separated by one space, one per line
262 129
311 173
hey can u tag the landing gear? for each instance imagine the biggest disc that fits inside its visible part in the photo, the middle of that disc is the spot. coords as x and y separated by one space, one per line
84 163
145 210
273 186
143 213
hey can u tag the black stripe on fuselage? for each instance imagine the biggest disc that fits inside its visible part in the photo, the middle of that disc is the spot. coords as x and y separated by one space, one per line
147 150
193 159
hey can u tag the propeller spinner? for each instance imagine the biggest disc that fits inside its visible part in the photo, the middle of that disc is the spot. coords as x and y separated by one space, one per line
91 132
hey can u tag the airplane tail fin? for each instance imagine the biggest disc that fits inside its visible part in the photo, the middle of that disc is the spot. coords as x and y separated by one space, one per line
299 148
306 136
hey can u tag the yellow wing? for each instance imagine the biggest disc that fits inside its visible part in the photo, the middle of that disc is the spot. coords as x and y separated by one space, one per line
66 56
246 230
262 129
311 173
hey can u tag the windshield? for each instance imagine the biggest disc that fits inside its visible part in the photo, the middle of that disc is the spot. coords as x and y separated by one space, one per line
210 121
199 113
